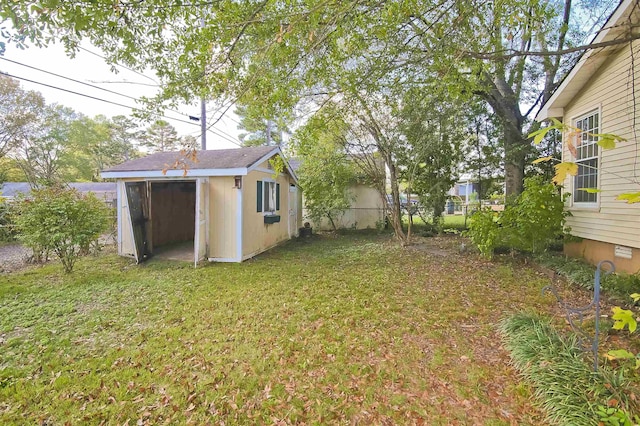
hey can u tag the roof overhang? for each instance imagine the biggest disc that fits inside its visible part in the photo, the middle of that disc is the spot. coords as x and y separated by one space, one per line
174 173
276 151
587 65
191 173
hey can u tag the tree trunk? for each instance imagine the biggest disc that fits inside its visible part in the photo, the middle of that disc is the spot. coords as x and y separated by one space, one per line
332 222
396 213
515 149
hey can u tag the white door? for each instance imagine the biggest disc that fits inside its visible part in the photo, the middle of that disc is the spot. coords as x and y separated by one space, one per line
293 211
200 240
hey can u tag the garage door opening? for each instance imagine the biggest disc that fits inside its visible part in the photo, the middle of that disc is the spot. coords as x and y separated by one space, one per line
173 219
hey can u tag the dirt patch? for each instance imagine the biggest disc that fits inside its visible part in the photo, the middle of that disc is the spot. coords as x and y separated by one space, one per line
13 257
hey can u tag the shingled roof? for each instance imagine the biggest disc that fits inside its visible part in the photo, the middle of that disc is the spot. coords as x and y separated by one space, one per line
222 162
213 159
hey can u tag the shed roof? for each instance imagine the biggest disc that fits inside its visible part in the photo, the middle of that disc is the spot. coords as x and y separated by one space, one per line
210 159
221 162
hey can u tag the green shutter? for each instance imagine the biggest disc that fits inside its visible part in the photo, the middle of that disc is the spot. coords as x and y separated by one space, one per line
277 196
259 197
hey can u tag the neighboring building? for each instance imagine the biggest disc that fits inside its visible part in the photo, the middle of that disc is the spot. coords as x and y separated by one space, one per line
230 203
366 210
464 188
599 96
103 190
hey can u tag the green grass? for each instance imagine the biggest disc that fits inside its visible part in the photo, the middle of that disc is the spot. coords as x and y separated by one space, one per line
331 330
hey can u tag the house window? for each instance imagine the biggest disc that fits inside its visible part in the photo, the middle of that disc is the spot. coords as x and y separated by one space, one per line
586 158
268 197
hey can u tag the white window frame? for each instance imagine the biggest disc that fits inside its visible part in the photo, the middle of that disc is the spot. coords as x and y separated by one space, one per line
587 143
268 194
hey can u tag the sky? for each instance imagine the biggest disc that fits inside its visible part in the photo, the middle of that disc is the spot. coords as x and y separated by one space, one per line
90 68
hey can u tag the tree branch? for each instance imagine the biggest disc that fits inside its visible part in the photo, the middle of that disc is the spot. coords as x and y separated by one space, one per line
511 53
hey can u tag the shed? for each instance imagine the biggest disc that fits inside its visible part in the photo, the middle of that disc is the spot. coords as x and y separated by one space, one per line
231 204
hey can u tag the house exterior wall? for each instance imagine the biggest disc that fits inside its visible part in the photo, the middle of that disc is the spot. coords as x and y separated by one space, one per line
595 251
223 218
256 235
608 222
365 212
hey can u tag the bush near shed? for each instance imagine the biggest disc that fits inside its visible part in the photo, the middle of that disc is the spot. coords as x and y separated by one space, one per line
62 221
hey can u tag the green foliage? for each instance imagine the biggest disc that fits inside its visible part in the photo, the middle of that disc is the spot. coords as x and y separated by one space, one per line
624 318
580 273
565 385
325 172
536 219
7 228
161 137
532 223
614 416
61 221
258 128
19 109
484 231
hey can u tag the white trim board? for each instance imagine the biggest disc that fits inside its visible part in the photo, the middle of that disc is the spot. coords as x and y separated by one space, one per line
173 174
239 223
224 259
278 151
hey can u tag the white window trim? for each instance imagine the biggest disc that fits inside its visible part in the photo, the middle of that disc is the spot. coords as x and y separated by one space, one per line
579 205
273 212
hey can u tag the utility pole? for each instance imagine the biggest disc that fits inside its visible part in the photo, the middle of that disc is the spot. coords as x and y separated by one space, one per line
203 110
268 132
203 124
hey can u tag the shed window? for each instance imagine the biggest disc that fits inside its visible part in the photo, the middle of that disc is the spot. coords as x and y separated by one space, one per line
587 158
269 202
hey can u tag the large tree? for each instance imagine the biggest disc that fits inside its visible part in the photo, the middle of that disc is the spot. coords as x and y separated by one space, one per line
280 54
19 113
258 130
161 136
325 172
41 156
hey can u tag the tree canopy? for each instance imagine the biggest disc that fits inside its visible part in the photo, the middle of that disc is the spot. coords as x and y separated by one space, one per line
290 58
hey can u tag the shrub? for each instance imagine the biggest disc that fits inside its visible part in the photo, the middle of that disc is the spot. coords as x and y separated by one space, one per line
61 221
578 272
484 231
536 219
7 228
532 223
564 384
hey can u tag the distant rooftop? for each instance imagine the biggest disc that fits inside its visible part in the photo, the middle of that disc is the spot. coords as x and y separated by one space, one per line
14 189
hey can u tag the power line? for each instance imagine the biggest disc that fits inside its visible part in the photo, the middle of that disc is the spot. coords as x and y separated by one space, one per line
91 97
226 135
68 78
118 104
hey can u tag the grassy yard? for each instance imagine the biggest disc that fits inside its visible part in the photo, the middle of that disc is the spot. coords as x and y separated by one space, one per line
332 330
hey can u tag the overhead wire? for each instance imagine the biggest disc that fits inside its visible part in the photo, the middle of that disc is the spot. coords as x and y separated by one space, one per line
220 133
114 103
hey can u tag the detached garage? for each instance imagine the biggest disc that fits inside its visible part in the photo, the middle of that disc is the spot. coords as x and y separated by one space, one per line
230 204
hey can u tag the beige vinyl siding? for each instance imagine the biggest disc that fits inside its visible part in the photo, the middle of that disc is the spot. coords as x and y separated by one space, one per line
609 92
256 235
222 217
